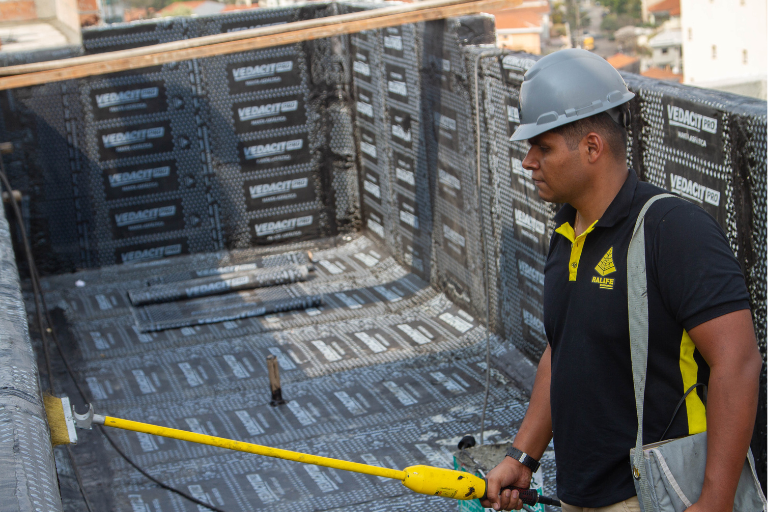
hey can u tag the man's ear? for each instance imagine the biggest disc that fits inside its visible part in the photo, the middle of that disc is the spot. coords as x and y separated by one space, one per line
594 146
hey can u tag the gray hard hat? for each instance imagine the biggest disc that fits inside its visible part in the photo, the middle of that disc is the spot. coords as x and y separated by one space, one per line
564 87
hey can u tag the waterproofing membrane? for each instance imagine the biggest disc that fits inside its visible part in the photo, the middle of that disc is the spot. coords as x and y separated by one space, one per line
223 283
373 379
249 149
29 474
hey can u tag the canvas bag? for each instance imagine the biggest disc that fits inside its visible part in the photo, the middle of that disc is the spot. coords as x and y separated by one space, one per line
668 475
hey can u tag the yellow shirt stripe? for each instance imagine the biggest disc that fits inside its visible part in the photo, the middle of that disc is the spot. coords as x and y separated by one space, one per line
697 413
577 244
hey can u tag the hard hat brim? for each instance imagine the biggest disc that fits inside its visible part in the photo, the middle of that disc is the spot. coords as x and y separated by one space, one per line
530 130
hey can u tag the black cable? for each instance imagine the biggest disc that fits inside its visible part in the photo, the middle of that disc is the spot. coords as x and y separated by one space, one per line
40 298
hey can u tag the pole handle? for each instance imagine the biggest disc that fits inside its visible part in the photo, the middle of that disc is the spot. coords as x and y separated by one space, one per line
528 496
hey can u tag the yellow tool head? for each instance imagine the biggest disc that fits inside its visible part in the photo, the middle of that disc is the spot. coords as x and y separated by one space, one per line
444 482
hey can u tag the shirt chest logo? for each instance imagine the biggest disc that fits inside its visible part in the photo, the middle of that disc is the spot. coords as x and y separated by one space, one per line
605 267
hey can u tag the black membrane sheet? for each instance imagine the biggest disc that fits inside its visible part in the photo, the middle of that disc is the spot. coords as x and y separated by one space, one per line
387 371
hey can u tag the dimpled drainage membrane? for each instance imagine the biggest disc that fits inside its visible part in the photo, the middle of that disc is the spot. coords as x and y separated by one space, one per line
387 371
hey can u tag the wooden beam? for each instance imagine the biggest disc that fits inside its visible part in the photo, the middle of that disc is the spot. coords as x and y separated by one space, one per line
252 39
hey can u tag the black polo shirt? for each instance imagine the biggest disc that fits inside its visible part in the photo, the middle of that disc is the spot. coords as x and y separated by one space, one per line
693 277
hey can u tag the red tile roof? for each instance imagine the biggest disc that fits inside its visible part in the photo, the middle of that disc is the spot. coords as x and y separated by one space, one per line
662 74
620 60
672 6
171 7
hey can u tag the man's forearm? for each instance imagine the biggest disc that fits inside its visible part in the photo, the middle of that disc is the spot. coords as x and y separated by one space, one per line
536 431
729 347
731 408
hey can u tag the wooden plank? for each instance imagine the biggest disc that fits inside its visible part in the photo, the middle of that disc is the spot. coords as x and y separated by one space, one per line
276 36
223 38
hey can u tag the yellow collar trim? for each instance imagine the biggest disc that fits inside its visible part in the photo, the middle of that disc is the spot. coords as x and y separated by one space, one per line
577 244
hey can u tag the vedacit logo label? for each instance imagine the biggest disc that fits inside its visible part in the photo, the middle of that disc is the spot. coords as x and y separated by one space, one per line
275 148
113 140
529 222
269 109
281 226
691 120
692 190
205 289
123 179
151 253
140 216
261 70
112 99
276 188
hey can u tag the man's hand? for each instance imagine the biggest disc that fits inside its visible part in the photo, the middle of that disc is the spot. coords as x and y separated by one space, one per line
508 472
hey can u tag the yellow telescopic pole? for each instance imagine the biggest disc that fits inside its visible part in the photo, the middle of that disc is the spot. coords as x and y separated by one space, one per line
257 449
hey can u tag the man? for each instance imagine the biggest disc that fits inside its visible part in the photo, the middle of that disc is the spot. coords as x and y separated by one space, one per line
573 112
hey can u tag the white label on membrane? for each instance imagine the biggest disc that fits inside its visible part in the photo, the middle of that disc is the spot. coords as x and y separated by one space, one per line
328 352
350 403
533 322
372 188
365 109
195 426
96 390
282 360
396 87
414 334
145 385
137 503
387 293
527 221
103 302
371 342
371 460
409 219
376 227
402 395
362 68
147 442
447 382
262 489
237 368
369 261
251 425
323 482
434 457
393 42
301 415
99 341
192 377
455 322
350 302
406 176
330 267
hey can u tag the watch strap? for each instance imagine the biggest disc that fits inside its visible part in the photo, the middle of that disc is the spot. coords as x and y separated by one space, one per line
523 458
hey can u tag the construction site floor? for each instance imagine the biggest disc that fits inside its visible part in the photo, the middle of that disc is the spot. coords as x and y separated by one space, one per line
387 371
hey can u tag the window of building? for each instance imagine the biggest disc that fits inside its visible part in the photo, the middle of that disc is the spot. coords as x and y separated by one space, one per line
690 34
664 50
743 56
714 51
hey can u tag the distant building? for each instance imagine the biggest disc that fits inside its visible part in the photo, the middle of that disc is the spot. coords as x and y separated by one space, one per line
629 39
624 63
662 11
667 47
524 28
38 24
725 46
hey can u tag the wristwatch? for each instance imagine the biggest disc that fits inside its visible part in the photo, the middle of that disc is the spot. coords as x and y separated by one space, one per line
523 458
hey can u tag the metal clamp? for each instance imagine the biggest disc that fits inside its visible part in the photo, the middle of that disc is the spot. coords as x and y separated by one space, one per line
85 421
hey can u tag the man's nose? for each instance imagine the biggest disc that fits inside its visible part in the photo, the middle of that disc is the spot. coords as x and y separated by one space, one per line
529 162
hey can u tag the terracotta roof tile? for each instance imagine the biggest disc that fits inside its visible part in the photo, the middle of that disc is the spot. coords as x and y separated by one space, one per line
620 60
662 74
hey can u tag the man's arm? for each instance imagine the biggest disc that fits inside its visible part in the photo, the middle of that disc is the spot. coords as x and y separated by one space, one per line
532 438
728 345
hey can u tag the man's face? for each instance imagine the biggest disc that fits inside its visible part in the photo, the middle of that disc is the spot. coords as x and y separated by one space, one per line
556 169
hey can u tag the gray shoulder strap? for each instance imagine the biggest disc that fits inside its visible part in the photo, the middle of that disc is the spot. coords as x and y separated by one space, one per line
637 298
